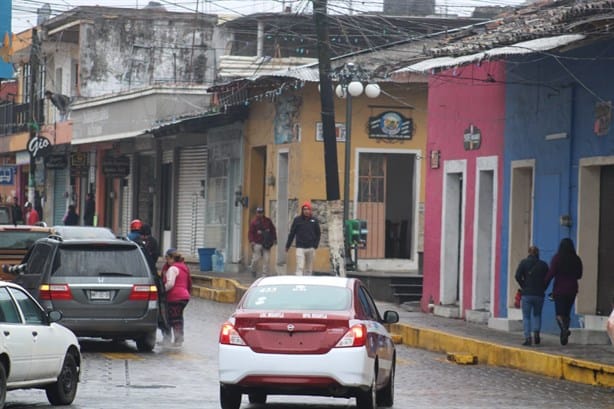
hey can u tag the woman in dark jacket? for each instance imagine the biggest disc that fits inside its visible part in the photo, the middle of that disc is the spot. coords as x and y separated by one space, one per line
71 218
566 270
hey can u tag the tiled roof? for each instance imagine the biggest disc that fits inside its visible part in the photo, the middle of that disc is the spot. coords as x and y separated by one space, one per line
542 19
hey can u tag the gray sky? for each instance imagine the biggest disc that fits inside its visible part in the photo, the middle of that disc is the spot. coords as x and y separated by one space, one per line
24 11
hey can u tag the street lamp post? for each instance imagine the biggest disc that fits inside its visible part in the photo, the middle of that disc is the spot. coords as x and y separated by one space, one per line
351 77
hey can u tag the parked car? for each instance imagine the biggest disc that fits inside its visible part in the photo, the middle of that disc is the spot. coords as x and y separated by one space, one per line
15 241
6 214
307 335
103 286
83 232
35 351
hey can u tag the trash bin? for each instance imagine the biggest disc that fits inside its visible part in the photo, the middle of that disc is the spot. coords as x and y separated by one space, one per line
204 256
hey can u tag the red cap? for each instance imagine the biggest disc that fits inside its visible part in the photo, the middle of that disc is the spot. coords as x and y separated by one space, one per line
306 205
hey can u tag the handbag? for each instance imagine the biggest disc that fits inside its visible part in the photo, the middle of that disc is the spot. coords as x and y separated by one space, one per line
517 298
267 239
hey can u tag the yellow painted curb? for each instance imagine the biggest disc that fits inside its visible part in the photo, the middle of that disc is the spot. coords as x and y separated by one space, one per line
226 290
462 358
556 366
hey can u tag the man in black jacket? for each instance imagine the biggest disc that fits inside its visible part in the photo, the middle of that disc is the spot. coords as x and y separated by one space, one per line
306 229
531 276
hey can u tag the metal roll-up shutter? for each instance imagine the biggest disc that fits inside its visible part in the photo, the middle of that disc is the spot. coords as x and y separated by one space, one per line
60 187
190 200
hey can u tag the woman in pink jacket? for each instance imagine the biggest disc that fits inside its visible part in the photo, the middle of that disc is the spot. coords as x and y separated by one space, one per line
178 285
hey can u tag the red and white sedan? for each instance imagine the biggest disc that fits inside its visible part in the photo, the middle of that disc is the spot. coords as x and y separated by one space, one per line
307 335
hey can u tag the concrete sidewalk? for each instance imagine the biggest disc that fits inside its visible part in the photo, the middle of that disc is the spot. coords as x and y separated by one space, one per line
461 341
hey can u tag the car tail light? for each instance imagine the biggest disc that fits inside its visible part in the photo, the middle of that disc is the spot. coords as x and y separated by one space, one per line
143 293
355 337
55 292
230 336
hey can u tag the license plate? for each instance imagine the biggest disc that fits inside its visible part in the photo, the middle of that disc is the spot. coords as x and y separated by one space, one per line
100 295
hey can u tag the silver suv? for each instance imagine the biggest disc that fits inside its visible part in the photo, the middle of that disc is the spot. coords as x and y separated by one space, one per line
102 286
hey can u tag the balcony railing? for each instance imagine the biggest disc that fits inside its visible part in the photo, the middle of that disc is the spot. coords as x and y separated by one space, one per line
14 117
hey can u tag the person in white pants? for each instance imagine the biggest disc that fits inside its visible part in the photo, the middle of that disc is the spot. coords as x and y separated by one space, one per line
306 229
262 236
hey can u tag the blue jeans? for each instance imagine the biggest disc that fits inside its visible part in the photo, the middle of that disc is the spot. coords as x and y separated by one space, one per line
532 313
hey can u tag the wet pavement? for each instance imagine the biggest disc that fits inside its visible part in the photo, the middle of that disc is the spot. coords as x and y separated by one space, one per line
590 364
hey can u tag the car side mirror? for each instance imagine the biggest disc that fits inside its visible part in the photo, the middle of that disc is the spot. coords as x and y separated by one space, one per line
391 317
54 316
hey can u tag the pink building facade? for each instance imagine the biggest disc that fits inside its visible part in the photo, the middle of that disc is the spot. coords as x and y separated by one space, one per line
464 182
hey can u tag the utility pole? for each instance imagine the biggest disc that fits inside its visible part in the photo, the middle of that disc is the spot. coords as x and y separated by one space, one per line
33 120
331 169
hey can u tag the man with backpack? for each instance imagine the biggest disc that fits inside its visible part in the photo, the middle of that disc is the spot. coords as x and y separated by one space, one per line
262 236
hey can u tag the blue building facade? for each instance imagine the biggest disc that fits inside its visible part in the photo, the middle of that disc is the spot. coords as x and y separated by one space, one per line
6 69
558 169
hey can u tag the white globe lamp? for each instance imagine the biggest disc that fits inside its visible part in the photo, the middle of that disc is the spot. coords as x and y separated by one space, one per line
355 88
340 91
372 90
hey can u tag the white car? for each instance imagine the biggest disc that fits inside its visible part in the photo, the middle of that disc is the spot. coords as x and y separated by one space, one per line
307 335
35 351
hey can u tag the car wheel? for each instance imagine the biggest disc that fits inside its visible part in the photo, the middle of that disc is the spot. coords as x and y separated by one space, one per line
2 386
367 399
63 391
147 342
385 397
230 398
258 398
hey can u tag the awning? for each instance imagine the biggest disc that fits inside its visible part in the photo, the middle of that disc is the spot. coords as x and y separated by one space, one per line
108 137
524 47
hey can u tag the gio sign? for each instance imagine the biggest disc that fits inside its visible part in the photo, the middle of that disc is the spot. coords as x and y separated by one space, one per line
38 146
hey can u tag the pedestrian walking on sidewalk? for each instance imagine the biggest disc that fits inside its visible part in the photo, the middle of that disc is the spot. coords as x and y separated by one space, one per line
89 210
566 270
32 216
262 236
71 217
306 229
531 277
178 286
151 249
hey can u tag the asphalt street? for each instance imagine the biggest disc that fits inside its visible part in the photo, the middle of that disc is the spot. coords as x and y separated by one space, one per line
115 376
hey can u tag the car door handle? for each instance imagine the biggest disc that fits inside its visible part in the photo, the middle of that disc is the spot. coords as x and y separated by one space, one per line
6 333
34 333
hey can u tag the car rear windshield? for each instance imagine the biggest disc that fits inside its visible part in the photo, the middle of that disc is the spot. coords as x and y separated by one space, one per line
100 260
298 297
19 239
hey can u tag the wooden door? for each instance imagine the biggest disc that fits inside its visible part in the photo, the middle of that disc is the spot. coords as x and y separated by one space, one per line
371 203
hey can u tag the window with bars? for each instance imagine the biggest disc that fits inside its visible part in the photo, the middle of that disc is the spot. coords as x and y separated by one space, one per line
371 178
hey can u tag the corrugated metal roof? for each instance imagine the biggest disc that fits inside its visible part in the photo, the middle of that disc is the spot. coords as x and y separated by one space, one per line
523 47
305 73
233 67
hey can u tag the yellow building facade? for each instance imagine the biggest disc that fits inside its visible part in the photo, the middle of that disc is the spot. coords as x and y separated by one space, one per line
284 167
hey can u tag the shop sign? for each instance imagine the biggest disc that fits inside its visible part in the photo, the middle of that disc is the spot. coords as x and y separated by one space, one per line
472 138
79 164
339 132
7 175
56 161
39 146
390 125
116 166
